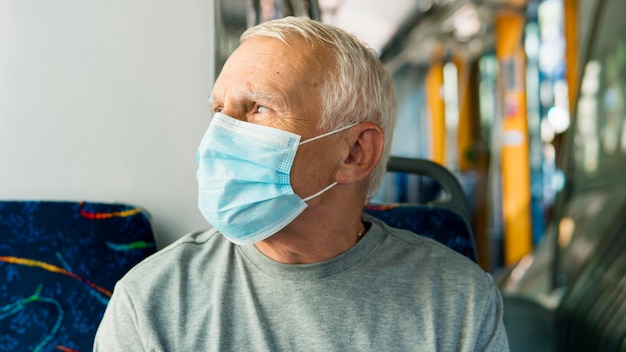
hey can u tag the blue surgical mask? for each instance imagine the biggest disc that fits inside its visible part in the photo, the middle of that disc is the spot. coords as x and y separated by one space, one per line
243 178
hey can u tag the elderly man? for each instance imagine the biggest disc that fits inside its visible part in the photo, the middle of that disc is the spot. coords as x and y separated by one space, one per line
304 115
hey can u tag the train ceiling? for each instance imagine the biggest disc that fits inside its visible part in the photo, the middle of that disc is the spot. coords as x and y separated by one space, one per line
411 32
403 32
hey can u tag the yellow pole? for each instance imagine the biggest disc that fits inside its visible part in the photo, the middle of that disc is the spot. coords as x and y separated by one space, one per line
472 158
515 152
570 23
436 108
465 130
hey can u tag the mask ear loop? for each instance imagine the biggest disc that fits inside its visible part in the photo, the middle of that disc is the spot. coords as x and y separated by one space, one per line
320 192
327 134
316 138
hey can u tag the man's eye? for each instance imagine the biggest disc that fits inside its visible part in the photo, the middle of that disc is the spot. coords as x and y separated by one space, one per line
261 109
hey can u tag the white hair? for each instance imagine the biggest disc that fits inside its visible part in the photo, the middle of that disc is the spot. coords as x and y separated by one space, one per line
356 89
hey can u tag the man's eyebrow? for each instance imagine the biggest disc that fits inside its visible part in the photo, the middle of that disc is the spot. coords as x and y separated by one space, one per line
264 96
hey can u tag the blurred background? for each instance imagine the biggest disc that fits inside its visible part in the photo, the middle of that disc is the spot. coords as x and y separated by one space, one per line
522 100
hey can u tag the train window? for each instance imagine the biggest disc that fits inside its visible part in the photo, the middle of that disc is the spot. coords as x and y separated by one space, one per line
600 135
596 198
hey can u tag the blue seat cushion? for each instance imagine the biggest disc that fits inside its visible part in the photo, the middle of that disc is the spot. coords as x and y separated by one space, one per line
59 262
440 224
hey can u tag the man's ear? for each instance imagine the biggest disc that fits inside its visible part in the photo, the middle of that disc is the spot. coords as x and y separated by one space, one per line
365 143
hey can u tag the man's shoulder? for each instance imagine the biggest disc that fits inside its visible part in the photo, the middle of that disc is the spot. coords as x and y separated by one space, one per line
437 258
176 257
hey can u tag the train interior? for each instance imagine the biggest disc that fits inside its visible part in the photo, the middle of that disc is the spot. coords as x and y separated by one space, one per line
512 116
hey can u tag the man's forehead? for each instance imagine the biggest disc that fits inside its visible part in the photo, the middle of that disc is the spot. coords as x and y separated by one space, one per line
263 60
259 55
293 48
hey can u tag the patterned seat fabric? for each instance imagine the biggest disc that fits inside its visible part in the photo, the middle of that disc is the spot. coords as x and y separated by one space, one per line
441 224
59 262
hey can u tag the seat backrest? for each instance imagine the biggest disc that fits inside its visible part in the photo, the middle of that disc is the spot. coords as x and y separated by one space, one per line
446 219
59 262
441 224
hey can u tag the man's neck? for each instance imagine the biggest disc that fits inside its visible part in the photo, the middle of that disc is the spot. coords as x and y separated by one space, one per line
311 244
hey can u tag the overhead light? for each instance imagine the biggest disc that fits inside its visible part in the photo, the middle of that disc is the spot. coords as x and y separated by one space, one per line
558 117
464 23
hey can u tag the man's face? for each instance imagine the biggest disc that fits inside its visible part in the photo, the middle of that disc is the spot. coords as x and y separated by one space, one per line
269 83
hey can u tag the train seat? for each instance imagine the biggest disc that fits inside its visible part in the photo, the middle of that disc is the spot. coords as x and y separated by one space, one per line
446 219
59 262
440 224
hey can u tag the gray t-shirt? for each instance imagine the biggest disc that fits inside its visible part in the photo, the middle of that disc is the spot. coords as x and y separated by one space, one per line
392 291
